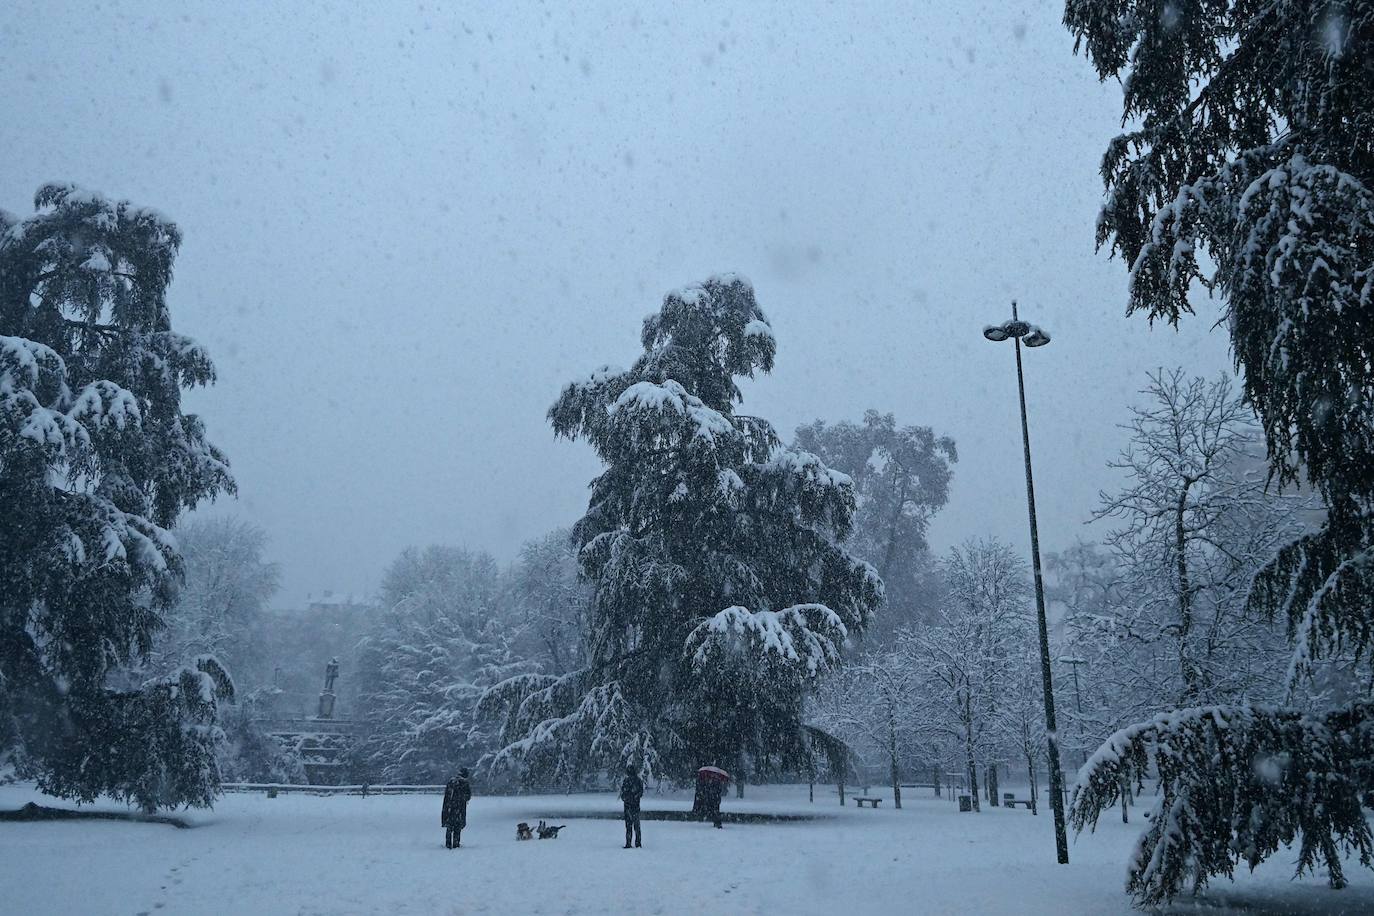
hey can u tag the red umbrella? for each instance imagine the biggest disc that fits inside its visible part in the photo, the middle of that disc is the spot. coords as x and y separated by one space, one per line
715 773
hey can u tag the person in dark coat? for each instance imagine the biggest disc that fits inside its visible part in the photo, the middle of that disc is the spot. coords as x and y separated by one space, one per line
711 791
631 791
455 814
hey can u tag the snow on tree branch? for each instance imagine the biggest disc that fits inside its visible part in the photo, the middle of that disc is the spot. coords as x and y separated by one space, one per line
807 634
1236 785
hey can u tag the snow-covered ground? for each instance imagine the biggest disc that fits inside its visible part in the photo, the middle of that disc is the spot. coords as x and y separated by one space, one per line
303 854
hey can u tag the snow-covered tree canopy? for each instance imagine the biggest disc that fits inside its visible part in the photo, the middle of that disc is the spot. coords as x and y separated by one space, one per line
551 601
1236 784
970 657
721 588
426 659
1248 168
901 479
1252 140
96 462
219 605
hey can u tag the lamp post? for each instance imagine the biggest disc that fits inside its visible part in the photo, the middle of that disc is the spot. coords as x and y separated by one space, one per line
1018 330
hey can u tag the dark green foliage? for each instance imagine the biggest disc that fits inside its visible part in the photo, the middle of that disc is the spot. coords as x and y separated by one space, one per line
153 746
720 588
96 462
1236 784
1247 169
1253 142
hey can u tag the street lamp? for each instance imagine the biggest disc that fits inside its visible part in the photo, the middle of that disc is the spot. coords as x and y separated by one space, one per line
1022 332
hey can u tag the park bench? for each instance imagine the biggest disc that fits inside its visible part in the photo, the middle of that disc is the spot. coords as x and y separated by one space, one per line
1011 801
861 800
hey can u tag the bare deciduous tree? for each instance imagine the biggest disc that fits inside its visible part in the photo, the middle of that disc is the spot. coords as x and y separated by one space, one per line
1196 521
964 657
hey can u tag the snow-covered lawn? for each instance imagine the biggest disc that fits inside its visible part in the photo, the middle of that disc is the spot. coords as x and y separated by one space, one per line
384 854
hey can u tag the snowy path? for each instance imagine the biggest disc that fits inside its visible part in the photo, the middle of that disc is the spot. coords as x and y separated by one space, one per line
314 855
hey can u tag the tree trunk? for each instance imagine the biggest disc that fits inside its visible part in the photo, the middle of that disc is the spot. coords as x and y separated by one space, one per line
892 758
1030 768
891 553
991 778
811 791
972 775
1125 791
1185 601
935 780
968 751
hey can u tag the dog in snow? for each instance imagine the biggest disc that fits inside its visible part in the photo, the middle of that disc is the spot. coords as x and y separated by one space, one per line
523 831
547 832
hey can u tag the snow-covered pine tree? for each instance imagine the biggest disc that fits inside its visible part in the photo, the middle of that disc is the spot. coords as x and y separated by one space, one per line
97 460
426 660
721 587
1252 140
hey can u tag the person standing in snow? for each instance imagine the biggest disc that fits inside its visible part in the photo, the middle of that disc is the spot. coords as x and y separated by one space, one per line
631 791
455 814
711 792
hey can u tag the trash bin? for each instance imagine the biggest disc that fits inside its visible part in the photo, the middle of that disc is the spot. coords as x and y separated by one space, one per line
272 792
965 803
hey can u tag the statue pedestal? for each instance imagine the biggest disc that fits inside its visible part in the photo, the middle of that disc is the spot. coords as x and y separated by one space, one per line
326 704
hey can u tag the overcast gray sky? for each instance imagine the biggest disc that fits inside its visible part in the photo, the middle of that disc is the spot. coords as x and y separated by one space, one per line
407 226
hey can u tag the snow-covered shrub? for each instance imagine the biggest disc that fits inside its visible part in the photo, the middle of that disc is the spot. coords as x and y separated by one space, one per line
248 754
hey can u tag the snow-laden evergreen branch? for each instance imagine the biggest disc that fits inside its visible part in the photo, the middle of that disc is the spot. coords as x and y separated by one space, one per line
1236 785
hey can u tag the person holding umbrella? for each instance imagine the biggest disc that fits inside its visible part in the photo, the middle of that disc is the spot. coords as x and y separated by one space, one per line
711 782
